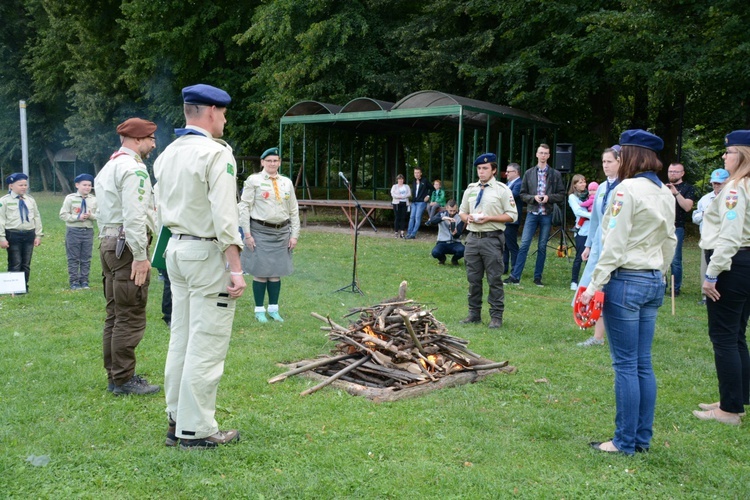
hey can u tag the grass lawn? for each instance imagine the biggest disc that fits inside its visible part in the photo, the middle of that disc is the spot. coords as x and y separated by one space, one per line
524 435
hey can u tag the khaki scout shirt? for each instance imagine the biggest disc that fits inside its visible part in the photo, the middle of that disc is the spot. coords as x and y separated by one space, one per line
197 184
726 226
10 216
496 200
71 210
259 202
125 199
637 230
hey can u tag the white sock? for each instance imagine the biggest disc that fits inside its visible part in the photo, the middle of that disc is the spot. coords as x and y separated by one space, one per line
272 308
260 309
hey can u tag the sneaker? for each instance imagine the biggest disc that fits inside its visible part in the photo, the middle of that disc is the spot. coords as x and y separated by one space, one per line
75 286
136 385
591 341
510 280
172 438
275 316
702 302
574 286
470 319
496 323
85 286
538 282
210 442
261 317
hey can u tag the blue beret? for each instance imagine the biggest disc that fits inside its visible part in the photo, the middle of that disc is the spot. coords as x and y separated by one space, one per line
269 152
642 139
18 176
485 158
84 177
738 138
719 175
205 94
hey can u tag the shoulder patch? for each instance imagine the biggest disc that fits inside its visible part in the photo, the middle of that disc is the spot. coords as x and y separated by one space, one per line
142 174
731 199
230 169
617 204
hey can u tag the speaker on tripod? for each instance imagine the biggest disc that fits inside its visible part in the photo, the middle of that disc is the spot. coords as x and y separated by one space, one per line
564 157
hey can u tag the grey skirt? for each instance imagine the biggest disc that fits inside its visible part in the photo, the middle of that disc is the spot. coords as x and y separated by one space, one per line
271 257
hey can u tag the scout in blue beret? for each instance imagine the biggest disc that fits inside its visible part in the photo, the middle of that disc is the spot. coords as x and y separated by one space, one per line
205 95
269 152
737 138
18 176
485 158
641 139
79 212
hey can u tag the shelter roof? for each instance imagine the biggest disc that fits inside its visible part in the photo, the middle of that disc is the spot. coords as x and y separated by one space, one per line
425 110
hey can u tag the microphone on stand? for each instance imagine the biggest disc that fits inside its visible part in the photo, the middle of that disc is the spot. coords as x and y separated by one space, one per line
343 177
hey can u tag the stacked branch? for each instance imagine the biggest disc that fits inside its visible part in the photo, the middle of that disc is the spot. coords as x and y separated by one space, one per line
396 344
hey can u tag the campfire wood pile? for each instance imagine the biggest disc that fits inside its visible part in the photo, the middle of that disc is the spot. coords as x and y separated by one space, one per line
395 345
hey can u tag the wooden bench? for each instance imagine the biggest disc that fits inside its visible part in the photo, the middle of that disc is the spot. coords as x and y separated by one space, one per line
346 205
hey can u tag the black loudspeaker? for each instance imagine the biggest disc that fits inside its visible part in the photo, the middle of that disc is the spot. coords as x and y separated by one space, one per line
564 157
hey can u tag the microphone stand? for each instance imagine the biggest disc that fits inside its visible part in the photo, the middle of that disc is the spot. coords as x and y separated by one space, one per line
354 286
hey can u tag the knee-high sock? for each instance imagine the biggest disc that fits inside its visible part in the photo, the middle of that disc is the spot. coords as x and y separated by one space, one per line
259 292
274 290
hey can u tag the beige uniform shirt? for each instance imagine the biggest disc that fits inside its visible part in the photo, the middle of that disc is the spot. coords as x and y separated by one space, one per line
10 215
260 201
637 230
726 226
496 200
125 198
71 211
196 179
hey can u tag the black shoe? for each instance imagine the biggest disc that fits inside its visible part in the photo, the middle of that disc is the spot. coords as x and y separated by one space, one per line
470 320
212 441
538 282
136 385
171 434
641 449
110 386
510 280
496 323
454 262
702 302
441 262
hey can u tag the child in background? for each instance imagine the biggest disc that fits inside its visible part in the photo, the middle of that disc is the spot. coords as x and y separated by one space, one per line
20 225
79 211
587 200
437 199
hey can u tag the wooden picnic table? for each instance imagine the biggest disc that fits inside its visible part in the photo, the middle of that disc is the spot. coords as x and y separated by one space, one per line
346 205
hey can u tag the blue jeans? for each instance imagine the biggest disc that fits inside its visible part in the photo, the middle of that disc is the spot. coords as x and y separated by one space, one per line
415 219
443 248
631 302
544 223
676 267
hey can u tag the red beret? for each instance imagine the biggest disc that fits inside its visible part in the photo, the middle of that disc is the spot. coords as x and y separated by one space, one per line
136 128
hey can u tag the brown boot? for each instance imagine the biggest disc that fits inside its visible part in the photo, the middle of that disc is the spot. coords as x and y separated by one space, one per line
496 323
171 436
212 441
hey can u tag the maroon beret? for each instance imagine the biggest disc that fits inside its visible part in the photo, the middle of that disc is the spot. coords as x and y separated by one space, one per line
136 128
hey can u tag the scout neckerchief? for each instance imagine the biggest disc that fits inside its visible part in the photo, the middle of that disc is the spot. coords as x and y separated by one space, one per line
117 154
481 192
23 210
650 176
83 206
276 188
610 186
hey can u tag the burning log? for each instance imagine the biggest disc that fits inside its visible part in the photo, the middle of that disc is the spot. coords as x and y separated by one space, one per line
395 345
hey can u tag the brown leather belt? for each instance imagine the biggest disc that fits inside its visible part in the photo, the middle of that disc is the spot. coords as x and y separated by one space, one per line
268 224
485 234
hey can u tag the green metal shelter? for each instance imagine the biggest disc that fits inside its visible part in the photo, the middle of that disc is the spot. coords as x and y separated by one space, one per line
371 141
